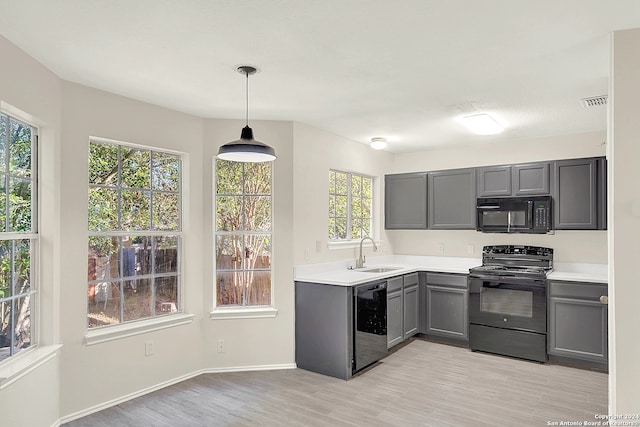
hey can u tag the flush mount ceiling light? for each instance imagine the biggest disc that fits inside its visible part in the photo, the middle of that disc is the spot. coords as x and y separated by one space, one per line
246 149
378 143
482 124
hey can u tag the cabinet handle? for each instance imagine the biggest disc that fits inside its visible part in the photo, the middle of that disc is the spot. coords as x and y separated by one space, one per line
604 299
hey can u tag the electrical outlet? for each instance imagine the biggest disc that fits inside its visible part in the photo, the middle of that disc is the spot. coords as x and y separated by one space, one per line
148 348
220 346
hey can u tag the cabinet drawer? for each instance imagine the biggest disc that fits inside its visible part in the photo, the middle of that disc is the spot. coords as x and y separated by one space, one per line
450 280
582 290
394 284
411 280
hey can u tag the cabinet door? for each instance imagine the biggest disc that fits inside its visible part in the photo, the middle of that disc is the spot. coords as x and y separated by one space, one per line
452 199
578 329
405 201
494 181
410 305
447 312
394 318
531 179
575 194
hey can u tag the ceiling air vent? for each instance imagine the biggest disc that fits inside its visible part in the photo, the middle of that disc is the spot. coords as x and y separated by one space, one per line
594 101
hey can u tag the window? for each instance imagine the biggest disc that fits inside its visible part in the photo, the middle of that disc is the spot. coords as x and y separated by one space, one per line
350 205
134 234
243 233
18 234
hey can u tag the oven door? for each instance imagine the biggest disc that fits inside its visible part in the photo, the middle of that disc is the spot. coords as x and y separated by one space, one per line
504 215
508 302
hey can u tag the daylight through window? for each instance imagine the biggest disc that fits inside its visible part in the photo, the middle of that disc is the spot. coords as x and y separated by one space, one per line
350 205
18 235
134 234
243 231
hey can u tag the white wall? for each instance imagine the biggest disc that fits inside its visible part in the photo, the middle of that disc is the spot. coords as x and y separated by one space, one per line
252 343
92 375
624 224
315 153
27 86
569 246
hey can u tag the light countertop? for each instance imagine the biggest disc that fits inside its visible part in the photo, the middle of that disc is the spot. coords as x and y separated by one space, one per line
339 274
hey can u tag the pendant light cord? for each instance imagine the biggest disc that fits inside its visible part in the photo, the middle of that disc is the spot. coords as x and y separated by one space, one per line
247 103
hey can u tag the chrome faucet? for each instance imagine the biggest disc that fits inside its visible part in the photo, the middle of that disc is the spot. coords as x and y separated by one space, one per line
361 259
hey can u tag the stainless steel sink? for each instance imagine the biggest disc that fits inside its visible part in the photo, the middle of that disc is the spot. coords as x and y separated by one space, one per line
378 269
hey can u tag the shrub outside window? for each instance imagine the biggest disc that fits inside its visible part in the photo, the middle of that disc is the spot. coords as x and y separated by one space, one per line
243 231
135 234
18 235
350 205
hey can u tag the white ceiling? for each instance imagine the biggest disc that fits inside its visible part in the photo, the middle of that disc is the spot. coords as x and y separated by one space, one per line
405 69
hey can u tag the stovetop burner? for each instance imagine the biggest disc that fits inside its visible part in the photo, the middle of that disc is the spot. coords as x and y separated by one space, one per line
512 260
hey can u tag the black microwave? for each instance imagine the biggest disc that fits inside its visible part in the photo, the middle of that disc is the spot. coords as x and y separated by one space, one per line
515 214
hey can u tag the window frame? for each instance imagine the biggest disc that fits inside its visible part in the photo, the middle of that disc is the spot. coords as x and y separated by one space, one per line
337 242
156 320
32 236
235 311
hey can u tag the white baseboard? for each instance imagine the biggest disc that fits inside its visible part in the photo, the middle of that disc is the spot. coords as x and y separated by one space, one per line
130 396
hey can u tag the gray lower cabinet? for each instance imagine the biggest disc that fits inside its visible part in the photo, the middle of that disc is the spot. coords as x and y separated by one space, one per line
405 201
446 306
402 308
452 199
578 194
395 333
578 320
410 305
324 325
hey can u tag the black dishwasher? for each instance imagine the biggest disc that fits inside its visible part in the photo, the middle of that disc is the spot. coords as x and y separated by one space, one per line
370 324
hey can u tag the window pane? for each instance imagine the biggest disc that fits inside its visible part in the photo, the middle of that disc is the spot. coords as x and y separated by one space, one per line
136 168
341 228
6 275
257 178
3 142
166 254
366 187
341 183
258 291
136 256
258 213
229 213
103 304
257 251
229 251
136 210
166 211
166 172
356 207
356 229
103 209
166 295
22 266
3 203
103 257
228 177
332 228
229 286
19 205
366 208
332 182
22 322
103 164
366 227
332 206
356 186
341 206
20 149
137 299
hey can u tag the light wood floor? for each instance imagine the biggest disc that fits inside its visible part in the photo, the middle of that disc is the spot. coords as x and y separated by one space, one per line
421 384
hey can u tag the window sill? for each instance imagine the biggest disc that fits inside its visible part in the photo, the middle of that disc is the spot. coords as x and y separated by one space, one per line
350 244
224 313
111 333
21 364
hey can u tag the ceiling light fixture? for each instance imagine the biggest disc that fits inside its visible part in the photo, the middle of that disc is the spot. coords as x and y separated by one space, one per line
246 149
482 124
378 143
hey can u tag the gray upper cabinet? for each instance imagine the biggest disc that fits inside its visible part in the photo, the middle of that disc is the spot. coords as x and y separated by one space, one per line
531 179
578 320
576 194
405 197
452 199
494 181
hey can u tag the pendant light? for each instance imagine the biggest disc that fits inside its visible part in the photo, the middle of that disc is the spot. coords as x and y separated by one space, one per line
246 149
